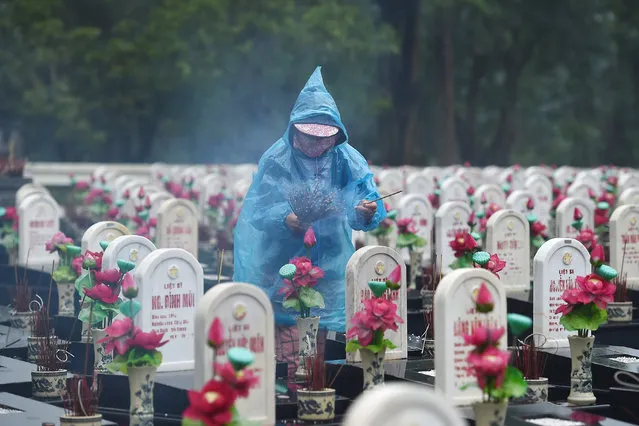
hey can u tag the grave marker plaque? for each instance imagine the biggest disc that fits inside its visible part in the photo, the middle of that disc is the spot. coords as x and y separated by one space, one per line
508 235
624 232
450 218
39 221
178 225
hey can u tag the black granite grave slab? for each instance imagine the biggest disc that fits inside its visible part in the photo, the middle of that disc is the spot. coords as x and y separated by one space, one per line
15 376
29 412
13 342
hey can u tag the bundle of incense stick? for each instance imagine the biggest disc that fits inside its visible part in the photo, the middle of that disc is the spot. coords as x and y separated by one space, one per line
311 201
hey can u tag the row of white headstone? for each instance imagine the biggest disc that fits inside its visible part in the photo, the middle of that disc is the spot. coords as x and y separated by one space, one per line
39 213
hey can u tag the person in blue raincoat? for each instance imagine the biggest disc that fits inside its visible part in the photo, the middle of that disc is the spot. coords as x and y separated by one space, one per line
268 233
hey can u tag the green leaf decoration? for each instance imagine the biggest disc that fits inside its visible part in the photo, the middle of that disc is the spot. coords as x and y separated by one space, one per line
312 298
584 317
419 242
191 422
288 271
603 205
130 308
377 287
119 203
531 218
144 214
118 365
125 266
481 257
240 358
73 251
538 241
83 281
406 240
518 324
99 314
3 211
64 274
104 245
292 303
476 236
353 346
480 214
578 224
514 384
392 214
389 344
606 272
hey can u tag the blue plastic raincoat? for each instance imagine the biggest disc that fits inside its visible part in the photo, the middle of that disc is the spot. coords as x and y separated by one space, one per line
264 243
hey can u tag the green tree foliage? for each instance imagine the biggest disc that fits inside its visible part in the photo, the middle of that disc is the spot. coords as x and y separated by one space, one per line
417 81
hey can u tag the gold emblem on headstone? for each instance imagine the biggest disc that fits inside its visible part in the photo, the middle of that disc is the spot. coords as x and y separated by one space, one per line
380 267
173 272
179 212
633 221
510 225
457 216
239 311
475 292
567 259
110 236
133 255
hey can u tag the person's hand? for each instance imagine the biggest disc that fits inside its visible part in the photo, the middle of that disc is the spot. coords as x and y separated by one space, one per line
293 222
366 209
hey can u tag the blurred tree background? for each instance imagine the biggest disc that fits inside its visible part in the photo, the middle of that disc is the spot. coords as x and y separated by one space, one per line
417 81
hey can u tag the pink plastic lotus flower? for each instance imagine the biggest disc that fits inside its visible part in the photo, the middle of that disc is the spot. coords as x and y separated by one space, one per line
129 289
538 229
141 193
484 301
81 185
572 297
216 334
495 264
488 365
149 341
483 337
109 276
587 238
103 293
113 213
470 191
76 264
58 239
597 255
396 275
118 336
596 290
406 226
382 314
242 381
577 215
360 328
306 274
558 201
530 204
462 244
288 289
309 238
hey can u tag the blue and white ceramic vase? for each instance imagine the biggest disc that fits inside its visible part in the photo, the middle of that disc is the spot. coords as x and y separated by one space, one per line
141 384
372 367
581 372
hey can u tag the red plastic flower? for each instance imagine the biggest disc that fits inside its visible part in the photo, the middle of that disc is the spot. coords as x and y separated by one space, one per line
81 185
577 215
10 213
483 337
596 290
492 209
242 381
360 328
58 239
212 405
558 201
484 300
462 243
538 229
129 289
215 200
601 217
572 297
406 226
396 275
149 341
76 264
587 238
288 290
597 255
306 274
495 264
103 293
530 204
216 334
382 314
110 276
309 238
489 364
118 336
113 213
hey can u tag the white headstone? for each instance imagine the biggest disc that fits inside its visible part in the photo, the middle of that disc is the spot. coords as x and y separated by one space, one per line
102 231
541 189
581 189
624 233
171 283
557 264
455 316
516 178
420 183
563 175
518 199
508 236
375 263
390 181
157 199
178 225
627 181
209 185
492 193
247 316
566 214
629 196
450 218
39 221
28 189
592 179
402 404
418 208
132 248
453 189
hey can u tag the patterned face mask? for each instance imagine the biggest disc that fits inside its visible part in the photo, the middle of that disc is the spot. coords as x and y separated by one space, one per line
311 146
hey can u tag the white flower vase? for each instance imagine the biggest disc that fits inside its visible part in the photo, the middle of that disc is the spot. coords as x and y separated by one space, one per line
581 374
33 343
307 342
84 334
66 292
536 392
22 320
373 367
48 385
141 384
490 413
619 311
415 267
316 405
13 256
101 358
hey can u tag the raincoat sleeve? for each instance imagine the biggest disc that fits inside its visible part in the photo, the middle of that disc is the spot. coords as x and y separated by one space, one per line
361 187
270 204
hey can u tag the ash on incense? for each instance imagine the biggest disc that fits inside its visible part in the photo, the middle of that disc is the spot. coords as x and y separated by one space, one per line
313 200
